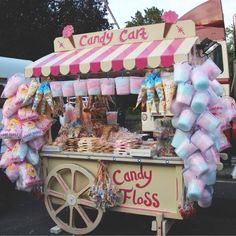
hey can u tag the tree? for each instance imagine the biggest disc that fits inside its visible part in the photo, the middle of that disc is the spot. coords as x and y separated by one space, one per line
28 27
151 16
230 47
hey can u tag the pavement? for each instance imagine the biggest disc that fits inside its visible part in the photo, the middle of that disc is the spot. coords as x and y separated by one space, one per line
25 215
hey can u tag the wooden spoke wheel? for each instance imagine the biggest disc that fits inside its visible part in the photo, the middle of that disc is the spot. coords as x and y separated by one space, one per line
66 199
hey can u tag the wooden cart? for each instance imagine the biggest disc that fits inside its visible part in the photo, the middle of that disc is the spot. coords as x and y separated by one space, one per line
152 187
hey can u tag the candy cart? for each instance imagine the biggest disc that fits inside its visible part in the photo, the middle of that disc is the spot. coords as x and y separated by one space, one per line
148 184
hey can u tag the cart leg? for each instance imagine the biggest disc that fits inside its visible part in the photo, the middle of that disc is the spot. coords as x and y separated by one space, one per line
157 225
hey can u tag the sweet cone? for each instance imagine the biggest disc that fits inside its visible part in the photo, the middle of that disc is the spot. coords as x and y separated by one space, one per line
72 41
166 29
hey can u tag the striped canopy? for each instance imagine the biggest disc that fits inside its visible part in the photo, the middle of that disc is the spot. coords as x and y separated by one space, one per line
113 58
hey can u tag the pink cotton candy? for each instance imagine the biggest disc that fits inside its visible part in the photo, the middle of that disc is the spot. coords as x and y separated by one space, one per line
21 94
26 114
12 85
7 159
13 130
108 86
12 172
10 107
30 131
44 123
28 176
37 143
94 87
19 151
10 143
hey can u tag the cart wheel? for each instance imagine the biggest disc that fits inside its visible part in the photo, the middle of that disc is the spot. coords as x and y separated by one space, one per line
67 201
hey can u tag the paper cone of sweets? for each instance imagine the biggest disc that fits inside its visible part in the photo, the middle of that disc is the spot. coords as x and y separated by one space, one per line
68 33
169 17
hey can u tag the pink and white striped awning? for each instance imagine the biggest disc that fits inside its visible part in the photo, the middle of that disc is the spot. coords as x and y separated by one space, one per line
113 58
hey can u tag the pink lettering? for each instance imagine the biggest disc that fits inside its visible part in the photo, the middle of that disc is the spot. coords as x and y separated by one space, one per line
83 37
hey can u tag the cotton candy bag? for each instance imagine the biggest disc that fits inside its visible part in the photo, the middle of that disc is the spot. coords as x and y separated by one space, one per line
32 157
37 143
21 94
27 176
13 129
43 123
19 151
30 131
27 114
10 107
12 85
12 172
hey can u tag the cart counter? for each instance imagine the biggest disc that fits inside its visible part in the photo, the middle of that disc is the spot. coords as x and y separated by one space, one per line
151 187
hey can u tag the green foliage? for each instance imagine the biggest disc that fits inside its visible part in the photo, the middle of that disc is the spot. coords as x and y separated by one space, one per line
230 47
28 27
151 16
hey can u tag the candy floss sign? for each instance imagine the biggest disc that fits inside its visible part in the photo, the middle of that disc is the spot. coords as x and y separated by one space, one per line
122 36
147 187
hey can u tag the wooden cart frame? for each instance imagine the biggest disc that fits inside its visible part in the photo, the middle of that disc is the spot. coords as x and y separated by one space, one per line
152 187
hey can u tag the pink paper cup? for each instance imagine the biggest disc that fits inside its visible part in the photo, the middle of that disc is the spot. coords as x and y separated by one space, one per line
185 149
122 85
68 89
80 87
94 87
199 79
108 86
195 189
186 120
179 137
111 117
212 155
182 72
217 87
197 164
56 88
200 102
176 107
214 99
212 70
185 93
188 175
135 84
201 140
208 122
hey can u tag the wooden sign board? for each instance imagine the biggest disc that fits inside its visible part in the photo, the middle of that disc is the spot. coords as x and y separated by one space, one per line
146 33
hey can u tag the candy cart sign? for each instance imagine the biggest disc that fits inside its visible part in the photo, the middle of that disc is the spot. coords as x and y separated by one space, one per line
148 188
181 29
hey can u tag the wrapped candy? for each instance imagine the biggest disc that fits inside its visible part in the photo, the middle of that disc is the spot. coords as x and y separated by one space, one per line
19 151
56 88
21 94
13 130
32 157
169 89
44 123
10 143
142 96
12 172
26 113
43 92
7 159
150 84
10 107
28 176
12 85
37 143
34 85
30 131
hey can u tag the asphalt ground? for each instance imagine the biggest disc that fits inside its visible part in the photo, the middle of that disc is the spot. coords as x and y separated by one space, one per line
22 214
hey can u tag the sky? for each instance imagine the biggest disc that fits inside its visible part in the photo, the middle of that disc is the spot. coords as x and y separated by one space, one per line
124 9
